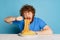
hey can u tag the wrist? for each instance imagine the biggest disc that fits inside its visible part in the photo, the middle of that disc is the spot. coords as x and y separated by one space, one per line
20 18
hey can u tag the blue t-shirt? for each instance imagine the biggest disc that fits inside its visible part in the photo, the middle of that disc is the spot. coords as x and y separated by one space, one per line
36 25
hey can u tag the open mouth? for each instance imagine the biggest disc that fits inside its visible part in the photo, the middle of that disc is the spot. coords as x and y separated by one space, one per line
28 18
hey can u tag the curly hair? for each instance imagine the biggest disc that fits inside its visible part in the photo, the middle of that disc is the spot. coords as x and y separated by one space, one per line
27 8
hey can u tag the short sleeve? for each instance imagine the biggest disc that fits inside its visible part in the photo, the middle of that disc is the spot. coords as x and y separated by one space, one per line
20 24
42 24
17 22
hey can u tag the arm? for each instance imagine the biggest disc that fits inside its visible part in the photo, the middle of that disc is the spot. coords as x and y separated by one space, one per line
10 19
46 30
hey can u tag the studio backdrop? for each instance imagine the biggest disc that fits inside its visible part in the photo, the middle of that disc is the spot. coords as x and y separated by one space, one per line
47 10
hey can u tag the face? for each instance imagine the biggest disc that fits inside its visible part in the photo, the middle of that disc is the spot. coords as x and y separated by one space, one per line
28 15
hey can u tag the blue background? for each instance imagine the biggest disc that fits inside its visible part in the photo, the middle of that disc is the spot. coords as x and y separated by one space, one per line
48 10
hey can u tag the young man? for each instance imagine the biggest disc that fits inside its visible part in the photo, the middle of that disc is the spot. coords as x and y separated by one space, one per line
37 25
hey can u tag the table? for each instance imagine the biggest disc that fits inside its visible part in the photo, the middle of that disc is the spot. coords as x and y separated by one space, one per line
36 37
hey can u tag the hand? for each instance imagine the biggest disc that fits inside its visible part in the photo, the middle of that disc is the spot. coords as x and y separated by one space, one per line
9 19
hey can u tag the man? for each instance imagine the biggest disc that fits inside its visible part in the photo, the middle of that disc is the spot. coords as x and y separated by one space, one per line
37 25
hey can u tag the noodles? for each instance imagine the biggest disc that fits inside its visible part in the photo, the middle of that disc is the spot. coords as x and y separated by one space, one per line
26 30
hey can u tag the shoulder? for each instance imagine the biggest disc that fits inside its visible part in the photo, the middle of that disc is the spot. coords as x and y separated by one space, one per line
37 19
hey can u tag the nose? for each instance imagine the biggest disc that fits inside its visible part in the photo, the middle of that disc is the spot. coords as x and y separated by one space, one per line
27 14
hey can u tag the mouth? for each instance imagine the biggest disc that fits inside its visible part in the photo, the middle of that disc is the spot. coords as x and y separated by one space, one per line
29 18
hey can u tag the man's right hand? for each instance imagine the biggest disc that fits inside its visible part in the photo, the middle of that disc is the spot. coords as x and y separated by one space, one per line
11 18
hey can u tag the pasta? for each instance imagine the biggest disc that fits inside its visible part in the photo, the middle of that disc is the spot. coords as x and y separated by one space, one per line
26 30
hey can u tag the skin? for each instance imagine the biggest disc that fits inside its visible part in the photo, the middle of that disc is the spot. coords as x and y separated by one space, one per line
29 15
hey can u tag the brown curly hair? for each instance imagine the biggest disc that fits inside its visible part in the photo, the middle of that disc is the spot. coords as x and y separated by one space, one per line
27 8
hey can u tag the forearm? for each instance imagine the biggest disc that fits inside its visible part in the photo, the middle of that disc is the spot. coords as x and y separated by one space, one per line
46 32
